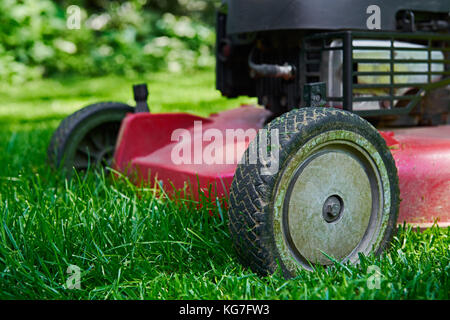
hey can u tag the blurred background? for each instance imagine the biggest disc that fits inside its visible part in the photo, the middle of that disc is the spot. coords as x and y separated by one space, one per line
41 39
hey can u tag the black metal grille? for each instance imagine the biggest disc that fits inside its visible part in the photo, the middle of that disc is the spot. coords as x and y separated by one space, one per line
392 80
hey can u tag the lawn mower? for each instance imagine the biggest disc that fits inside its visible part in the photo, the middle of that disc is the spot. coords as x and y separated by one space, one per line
351 138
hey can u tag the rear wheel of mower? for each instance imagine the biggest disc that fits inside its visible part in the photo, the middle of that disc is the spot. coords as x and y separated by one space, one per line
87 137
335 194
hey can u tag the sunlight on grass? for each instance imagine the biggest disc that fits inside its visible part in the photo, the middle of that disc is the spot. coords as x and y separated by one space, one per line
192 92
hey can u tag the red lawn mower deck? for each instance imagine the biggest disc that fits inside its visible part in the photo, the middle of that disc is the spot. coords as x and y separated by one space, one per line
422 157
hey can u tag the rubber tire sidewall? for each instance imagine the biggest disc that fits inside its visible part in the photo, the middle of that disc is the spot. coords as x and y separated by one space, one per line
258 250
74 128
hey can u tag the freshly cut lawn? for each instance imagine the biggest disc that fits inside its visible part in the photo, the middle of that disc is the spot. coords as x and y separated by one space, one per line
129 244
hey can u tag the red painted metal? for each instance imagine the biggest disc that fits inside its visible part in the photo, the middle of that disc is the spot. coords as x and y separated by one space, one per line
145 147
146 143
422 156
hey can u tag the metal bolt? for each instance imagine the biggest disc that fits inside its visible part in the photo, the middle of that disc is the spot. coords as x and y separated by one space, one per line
332 208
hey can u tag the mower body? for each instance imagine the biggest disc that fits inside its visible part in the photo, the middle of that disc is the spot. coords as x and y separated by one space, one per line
396 77
305 181
422 157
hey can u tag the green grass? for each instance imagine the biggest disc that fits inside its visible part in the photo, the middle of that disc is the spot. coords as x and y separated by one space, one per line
130 244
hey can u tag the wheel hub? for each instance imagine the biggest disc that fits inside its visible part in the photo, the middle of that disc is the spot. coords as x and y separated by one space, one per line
331 206
105 156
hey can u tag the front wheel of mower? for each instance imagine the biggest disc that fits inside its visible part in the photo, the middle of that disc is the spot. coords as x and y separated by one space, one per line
335 193
87 138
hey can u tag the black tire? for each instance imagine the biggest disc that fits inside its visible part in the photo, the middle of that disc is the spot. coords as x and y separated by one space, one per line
87 137
262 206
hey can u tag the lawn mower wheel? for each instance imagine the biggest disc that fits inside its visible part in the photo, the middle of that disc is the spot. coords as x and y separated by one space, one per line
87 138
335 194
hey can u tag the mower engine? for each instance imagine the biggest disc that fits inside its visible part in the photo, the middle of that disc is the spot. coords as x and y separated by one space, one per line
386 76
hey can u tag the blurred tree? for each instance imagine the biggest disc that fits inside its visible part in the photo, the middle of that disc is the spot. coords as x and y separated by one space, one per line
203 10
121 37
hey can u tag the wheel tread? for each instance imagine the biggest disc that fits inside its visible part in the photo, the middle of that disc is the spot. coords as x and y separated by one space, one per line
251 193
